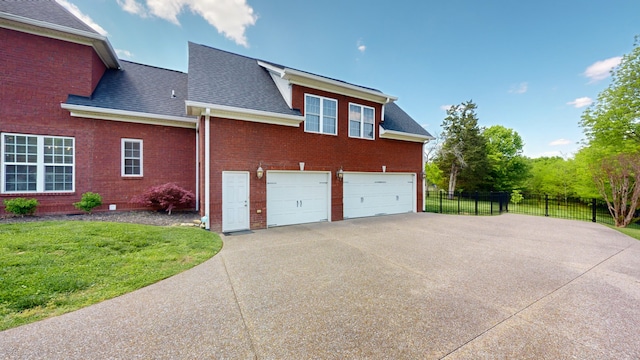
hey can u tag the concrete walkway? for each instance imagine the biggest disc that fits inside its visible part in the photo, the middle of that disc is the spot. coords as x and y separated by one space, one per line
415 286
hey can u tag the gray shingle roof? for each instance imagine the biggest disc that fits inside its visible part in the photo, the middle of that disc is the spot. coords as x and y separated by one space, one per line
396 119
223 78
140 88
44 10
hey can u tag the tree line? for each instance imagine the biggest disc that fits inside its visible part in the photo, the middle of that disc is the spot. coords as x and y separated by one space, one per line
467 157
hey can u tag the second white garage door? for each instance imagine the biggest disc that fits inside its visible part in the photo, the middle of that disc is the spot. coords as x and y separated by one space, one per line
378 194
297 197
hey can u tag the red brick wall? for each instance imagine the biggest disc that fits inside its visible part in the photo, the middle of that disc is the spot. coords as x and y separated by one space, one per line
242 146
36 76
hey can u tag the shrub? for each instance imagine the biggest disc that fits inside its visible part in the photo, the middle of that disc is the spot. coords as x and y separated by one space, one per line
89 201
167 197
516 197
21 206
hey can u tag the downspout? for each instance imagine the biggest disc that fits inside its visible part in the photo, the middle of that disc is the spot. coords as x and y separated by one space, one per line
424 177
198 165
207 168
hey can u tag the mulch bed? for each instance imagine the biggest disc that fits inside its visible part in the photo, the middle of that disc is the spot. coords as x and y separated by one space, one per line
160 218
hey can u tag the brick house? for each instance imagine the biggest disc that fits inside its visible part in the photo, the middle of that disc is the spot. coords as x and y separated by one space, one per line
259 144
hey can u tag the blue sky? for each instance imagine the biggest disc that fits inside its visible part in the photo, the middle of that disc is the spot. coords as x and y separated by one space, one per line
531 66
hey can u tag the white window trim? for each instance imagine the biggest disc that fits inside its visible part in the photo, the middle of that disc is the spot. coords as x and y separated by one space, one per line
362 107
40 177
122 158
322 99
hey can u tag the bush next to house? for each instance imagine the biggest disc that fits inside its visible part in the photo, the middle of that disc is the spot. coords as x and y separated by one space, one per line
167 197
21 206
89 201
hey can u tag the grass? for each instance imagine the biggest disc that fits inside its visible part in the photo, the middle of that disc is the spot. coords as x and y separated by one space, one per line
51 268
556 209
633 232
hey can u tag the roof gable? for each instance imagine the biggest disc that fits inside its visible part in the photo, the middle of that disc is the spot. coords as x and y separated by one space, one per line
222 78
48 11
49 19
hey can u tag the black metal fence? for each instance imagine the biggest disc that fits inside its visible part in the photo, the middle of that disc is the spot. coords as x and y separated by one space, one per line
494 203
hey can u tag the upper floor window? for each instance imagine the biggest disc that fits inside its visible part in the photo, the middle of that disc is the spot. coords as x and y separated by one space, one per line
321 115
131 157
36 163
361 121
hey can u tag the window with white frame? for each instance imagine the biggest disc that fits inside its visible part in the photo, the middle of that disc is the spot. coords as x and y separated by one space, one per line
361 121
131 157
36 163
321 115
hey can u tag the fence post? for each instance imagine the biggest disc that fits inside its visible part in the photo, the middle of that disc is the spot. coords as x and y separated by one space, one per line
593 210
459 196
476 203
546 205
491 201
440 202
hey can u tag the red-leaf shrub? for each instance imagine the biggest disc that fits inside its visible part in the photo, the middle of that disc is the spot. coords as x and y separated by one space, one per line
167 196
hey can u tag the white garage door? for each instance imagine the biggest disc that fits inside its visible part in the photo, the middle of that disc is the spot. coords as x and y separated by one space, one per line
297 197
378 194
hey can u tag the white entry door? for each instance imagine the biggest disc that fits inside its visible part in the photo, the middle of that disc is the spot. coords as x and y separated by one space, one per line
297 197
235 201
371 194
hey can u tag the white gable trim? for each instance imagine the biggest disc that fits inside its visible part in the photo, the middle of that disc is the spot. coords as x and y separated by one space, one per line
403 136
322 83
91 112
36 27
235 113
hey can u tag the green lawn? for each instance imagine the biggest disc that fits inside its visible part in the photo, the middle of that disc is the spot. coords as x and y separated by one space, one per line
50 268
556 209
633 232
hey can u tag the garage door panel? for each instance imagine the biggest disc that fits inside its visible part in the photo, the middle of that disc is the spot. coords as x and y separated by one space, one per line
377 194
297 198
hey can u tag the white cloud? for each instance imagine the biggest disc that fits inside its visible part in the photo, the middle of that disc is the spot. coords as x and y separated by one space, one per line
124 53
581 102
133 7
84 17
601 69
519 89
560 142
445 107
361 47
230 17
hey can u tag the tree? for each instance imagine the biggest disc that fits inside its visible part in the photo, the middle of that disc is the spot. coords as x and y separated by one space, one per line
508 168
463 154
551 176
618 180
612 128
613 121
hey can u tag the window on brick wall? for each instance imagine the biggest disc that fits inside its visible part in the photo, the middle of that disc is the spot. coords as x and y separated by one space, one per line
321 115
361 121
37 163
131 157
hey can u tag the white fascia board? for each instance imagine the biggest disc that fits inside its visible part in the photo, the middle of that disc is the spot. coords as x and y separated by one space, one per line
92 112
339 87
272 69
403 136
100 43
282 84
235 113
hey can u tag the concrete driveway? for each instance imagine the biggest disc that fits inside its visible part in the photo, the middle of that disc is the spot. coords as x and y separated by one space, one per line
415 286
